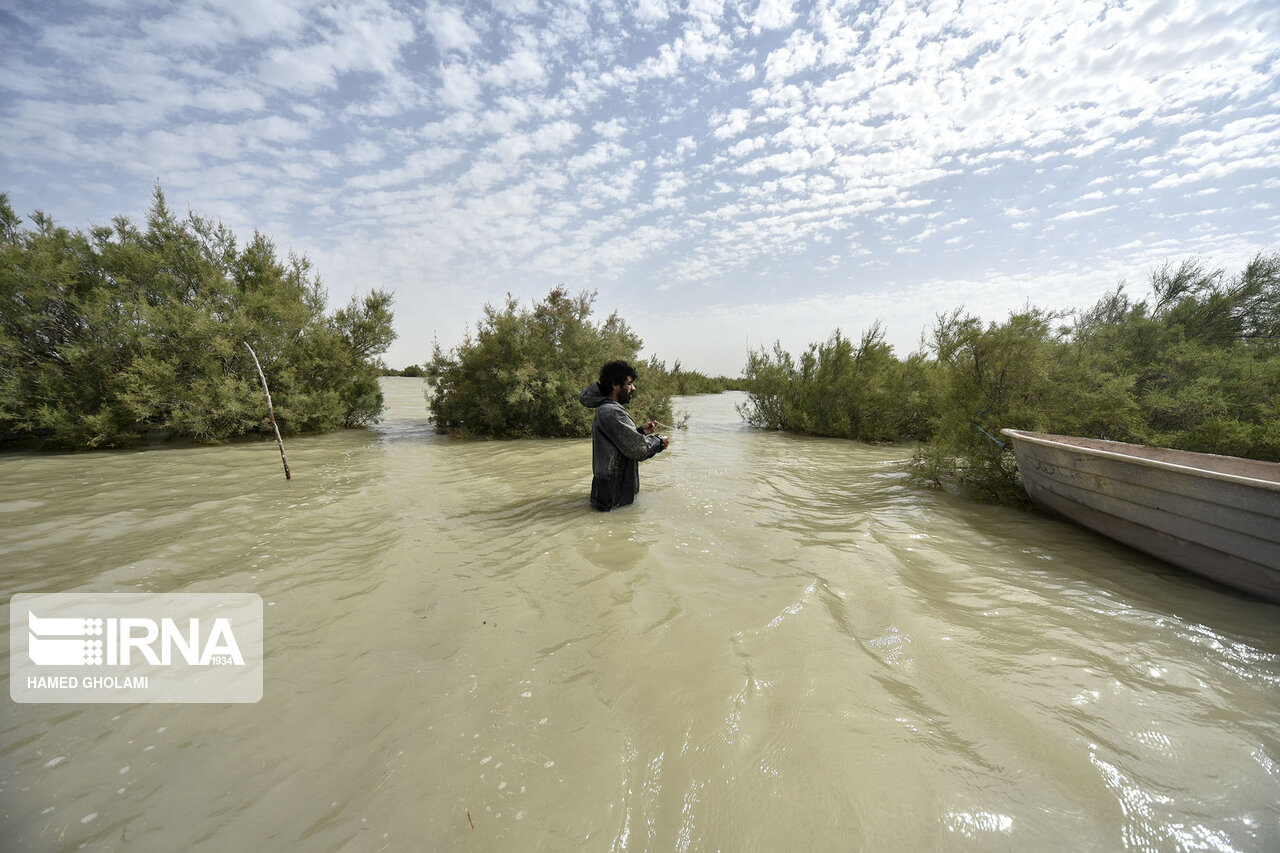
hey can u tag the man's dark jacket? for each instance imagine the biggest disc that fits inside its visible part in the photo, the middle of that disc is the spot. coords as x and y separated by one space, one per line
617 448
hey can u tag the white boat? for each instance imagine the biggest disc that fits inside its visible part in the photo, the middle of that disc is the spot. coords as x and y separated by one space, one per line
1218 516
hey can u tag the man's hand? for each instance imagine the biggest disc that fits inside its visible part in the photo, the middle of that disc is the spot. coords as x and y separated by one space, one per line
649 427
666 442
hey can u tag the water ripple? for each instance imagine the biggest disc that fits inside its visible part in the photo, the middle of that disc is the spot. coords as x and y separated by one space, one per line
781 645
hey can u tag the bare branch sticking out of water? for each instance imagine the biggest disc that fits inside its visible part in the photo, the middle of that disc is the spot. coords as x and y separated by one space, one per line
271 412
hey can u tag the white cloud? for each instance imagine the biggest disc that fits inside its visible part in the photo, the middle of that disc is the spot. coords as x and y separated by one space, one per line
515 8
523 67
613 129
799 54
597 156
227 100
272 129
1077 214
354 39
746 146
733 124
449 29
773 15
458 87
555 136
363 152
741 147
650 11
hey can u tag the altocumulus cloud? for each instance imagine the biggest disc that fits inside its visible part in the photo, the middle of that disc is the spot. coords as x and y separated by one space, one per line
723 172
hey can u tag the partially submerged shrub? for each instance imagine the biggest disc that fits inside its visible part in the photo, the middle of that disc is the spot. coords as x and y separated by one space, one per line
1195 366
120 334
840 390
520 374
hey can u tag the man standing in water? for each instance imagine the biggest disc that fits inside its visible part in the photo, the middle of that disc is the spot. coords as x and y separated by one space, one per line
617 444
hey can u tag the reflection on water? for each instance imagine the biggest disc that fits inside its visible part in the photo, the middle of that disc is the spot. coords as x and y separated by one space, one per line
782 645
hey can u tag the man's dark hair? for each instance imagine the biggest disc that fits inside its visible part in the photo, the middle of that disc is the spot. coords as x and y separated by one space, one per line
615 373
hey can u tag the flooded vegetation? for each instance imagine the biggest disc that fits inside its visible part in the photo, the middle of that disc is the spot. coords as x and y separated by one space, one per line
118 336
1194 365
781 645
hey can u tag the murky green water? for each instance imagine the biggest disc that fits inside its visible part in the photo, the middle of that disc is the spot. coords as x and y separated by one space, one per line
781 646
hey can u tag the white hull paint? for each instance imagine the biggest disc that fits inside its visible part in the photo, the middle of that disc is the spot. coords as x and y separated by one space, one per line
1217 516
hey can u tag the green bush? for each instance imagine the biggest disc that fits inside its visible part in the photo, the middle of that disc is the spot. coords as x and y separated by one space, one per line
840 390
989 377
120 334
520 374
413 371
1195 366
688 382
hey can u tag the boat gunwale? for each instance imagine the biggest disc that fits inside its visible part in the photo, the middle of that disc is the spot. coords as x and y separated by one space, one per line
1050 440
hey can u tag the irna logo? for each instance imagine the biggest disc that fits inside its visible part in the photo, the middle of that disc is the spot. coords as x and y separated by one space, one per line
76 641
131 647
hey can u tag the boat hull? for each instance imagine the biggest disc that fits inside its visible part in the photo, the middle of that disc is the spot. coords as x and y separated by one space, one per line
1218 516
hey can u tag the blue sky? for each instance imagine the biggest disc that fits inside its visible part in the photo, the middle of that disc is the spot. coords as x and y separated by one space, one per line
724 173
